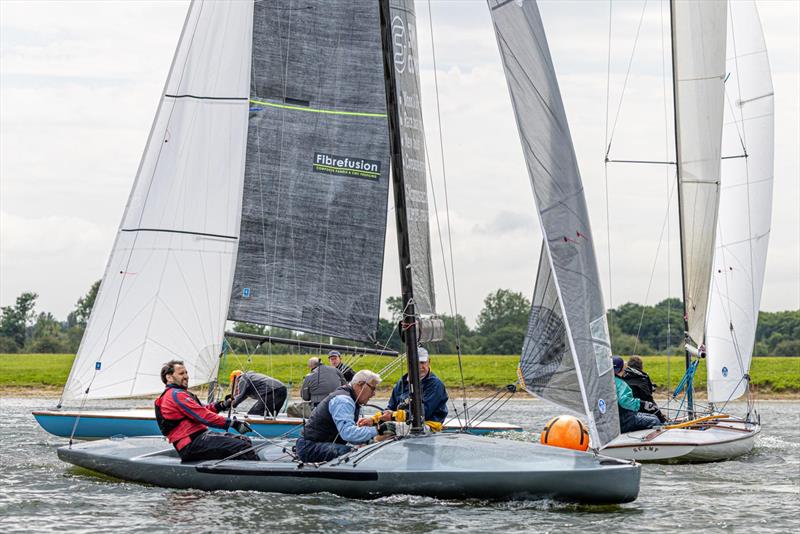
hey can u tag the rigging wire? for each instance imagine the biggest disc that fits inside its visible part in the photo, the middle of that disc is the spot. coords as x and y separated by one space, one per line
605 164
627 76
454 300
670 186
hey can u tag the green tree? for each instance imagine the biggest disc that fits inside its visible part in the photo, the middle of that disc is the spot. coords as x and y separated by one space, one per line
503 321
395 305
14 320
83 308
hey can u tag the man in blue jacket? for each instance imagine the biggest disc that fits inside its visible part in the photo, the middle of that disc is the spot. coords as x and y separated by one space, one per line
630 418
434 394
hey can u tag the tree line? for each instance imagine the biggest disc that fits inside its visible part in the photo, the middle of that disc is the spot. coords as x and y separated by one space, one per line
500 328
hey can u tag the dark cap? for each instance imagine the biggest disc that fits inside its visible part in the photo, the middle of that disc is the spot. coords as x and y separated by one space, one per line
618 364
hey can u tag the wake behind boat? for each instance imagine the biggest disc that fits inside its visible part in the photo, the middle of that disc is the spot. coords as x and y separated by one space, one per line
439 465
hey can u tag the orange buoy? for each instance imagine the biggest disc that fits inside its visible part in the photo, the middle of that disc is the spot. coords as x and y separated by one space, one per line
567 432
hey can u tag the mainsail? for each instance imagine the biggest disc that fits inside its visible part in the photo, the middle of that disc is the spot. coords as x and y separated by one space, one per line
698 44
316 180
166 287
745 206
567 356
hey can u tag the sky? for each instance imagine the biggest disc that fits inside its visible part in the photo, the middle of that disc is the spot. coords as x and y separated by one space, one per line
80 82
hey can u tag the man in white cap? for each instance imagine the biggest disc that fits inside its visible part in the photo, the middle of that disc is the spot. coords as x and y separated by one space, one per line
434 394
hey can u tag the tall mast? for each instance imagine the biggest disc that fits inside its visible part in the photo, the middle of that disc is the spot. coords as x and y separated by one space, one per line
688 356
408 323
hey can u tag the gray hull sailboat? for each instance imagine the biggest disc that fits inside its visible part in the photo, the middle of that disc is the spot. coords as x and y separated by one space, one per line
334 102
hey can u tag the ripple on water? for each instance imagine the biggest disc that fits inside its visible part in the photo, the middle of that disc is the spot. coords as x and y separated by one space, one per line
758 492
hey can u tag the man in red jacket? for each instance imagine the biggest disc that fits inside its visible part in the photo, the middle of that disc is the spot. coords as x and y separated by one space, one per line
184 420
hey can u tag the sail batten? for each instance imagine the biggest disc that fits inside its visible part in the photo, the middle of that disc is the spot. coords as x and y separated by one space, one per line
165 290
566 357
316 180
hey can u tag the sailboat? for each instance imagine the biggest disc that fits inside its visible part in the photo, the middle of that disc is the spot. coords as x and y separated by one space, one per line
354 37
232 217
725 168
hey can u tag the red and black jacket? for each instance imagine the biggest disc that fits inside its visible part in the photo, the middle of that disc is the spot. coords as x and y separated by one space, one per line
181 415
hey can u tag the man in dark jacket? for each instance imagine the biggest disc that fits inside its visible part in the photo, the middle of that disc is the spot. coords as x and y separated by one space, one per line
335 360
269 393
320 382
335 424
641 385
434 394
184 420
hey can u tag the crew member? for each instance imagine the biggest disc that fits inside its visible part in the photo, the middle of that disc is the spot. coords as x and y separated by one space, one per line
320 382
335 360
184 420
336 422
640 383
269 393
434 394
630 417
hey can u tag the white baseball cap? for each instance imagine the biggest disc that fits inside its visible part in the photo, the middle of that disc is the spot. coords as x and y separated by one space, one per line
423 354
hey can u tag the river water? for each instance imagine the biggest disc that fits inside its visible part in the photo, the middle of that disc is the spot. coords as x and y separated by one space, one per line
759 492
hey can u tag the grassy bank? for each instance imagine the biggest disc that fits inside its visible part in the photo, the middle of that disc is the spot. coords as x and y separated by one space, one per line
769 374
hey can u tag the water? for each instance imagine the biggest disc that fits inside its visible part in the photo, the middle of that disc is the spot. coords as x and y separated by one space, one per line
759 492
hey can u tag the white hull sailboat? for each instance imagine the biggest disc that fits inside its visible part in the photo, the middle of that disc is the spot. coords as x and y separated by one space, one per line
324 124
724 140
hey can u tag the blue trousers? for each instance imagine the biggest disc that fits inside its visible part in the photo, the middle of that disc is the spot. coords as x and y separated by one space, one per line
318 451
630 420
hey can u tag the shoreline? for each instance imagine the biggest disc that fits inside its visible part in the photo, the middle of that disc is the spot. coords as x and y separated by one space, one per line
473 393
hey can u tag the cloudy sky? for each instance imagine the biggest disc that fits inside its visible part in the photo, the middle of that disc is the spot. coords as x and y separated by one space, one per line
80 81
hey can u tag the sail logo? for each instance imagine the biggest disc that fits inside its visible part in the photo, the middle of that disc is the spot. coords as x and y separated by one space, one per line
402 45
601 405
347 166
725 371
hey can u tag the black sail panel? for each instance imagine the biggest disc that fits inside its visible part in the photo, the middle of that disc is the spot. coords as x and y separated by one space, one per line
317 171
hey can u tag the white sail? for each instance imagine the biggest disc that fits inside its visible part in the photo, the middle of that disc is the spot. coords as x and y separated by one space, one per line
745 206
698 41
166 287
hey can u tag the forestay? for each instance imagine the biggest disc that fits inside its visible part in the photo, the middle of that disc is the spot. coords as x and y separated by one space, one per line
166 287
745 206
698 42
316 179
568 315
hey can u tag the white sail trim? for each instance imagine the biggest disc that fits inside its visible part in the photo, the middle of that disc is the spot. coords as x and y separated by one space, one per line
699 69
166 287
745 207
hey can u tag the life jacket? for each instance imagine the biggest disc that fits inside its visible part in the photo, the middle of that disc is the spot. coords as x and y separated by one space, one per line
166 426
320 426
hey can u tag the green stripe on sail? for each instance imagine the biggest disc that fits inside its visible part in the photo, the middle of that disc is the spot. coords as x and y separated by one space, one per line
315 110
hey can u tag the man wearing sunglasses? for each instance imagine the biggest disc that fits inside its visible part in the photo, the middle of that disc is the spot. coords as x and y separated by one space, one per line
333 427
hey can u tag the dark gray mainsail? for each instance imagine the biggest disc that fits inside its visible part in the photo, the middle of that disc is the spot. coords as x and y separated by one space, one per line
568 314
317 171
412 139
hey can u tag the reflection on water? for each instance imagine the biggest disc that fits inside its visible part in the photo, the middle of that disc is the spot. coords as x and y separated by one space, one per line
756 493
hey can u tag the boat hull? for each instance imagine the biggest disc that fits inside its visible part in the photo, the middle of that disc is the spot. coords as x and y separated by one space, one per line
724 440
443 466
102 424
